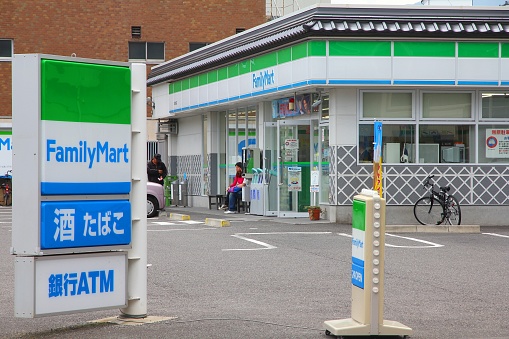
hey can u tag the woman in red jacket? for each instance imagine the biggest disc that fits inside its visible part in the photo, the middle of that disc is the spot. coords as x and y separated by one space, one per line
235 189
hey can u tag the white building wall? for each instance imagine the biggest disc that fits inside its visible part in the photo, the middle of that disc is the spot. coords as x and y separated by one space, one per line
161 99
189 140
343 109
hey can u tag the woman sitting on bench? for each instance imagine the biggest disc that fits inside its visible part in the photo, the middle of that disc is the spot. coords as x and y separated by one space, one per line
234 191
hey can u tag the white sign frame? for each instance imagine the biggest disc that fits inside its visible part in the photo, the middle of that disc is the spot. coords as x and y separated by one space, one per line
31 284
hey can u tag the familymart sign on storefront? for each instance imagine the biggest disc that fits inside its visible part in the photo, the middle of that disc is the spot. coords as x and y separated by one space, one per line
72 163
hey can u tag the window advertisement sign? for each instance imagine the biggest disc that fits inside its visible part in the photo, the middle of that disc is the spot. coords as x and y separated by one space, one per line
70 283
68 224
315 181
295 179
292 144
497 143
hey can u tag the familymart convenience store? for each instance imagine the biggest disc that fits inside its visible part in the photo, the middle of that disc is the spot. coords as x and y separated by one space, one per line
305 90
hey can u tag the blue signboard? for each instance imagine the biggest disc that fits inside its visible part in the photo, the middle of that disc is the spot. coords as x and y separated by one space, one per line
68 224
358 272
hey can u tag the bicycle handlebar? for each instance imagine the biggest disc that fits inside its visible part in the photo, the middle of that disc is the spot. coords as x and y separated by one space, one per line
426 183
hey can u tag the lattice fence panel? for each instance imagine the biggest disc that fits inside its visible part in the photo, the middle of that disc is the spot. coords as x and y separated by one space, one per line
402 184
191 165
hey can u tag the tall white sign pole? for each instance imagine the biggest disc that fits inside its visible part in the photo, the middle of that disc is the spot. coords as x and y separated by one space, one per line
137 255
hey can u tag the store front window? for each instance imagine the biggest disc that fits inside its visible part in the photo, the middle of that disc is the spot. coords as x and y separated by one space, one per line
398 143
445 143
493 141
241 133
446 105
382 105
437 133
495 106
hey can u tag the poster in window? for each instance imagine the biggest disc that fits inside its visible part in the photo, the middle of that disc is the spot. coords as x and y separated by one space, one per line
294 179
497 143
303 104
281 109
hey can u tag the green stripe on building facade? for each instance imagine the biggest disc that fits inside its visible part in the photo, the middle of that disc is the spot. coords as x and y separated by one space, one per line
317 48
431 49
424 49
264 61
360 48
478 49
284 55
81 92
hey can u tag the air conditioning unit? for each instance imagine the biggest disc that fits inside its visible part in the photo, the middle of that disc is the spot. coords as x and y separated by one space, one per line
169 127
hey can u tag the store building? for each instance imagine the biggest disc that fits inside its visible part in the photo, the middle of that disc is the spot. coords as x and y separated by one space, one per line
305 90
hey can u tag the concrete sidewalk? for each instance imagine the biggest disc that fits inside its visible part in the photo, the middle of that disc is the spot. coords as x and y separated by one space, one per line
195 213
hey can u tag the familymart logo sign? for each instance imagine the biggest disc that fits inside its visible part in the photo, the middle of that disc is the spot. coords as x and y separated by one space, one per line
85 128
86 152
263 79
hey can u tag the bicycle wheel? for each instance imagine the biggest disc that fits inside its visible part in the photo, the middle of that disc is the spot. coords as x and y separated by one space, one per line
429 212
454 214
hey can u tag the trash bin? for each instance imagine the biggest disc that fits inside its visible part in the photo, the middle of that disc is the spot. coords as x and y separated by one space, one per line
167 188
179 193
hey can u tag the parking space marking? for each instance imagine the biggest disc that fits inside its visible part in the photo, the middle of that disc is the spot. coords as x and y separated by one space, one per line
182 229
497 235
431 244
264 245
192 222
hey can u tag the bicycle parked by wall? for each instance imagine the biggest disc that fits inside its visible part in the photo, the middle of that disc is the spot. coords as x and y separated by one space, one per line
437 207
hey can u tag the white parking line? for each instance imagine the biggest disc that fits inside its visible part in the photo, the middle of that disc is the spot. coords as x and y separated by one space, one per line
432 244
182 229
497 235
265 245
180 222
192 222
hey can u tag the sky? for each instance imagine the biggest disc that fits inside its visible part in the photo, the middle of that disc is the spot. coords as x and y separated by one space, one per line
416 2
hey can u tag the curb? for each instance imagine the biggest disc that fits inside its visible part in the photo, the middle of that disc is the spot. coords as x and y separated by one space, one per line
217 222
433 229
177 216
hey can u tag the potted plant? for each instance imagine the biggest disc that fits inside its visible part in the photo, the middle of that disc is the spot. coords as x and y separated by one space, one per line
314 212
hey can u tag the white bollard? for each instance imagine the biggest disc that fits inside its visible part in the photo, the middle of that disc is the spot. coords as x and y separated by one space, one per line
368 252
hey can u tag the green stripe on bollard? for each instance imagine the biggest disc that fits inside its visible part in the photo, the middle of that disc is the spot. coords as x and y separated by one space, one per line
359 215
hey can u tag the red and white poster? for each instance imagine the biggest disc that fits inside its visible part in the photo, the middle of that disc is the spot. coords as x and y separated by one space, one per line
497 143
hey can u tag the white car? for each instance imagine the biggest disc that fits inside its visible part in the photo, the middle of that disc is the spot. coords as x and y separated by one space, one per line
155 199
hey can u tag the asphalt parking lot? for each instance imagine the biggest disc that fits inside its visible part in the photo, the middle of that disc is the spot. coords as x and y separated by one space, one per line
268 278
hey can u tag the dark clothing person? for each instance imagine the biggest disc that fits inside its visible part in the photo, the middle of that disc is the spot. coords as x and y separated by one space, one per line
156 170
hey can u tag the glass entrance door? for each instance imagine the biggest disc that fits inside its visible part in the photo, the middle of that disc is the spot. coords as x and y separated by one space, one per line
295 149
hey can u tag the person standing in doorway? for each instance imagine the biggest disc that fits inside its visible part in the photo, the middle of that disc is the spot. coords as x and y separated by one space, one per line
156 170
